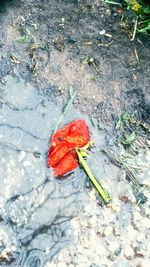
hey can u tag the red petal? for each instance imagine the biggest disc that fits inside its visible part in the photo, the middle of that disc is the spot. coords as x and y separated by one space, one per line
76 134
67 164
62 155
57 154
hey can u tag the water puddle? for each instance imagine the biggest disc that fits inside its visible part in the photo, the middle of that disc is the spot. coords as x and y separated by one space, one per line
45 220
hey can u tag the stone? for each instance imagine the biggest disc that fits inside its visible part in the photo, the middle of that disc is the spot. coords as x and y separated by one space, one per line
146 222
114 246
61 264
128 251
140 237
108 230
21 156
145 263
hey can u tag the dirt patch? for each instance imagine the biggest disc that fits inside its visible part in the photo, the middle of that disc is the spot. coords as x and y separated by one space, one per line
11 34
116 83
64 71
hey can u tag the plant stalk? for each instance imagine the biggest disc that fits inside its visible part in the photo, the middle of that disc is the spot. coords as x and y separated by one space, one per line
104 195
65 110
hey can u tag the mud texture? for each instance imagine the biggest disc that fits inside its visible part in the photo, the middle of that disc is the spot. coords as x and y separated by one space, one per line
71 36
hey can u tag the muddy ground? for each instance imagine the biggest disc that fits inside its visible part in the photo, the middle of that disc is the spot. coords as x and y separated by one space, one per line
47 49
70 33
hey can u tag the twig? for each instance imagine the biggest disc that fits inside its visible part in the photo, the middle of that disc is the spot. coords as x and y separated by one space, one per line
135 29
14 59
105 196
112 2
105 44
136 54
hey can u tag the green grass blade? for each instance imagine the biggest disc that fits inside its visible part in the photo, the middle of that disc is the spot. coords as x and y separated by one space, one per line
65 110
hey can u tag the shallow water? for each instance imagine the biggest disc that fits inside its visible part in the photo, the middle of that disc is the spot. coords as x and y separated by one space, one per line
43 219
35 208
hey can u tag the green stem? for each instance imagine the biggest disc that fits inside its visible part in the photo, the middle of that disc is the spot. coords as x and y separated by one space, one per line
105 196
65 110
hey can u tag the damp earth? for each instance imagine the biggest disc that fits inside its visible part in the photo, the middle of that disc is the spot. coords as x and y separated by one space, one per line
49 49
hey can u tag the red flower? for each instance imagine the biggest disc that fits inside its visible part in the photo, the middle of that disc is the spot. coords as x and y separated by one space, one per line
62 155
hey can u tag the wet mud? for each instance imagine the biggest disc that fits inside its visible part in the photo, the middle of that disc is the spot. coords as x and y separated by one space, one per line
70 48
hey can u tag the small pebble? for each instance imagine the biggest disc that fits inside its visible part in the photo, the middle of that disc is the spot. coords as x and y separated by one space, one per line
26 163
47 250
128 252
50 264
113 246
108 230
102 32
21 156
146 182
146 222
140 237
62 264
145 263
141 251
